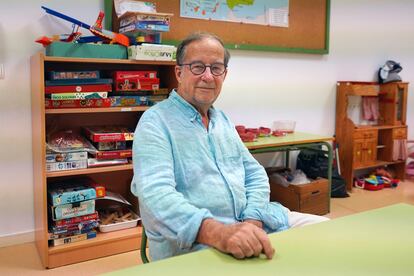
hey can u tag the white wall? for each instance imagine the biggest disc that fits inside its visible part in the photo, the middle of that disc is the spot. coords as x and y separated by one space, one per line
261 86
21 23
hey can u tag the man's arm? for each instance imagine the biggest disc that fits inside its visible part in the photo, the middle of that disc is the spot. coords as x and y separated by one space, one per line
270 216
240 239
165 210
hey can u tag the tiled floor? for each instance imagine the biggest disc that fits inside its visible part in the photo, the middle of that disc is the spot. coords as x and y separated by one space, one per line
363 200
23 259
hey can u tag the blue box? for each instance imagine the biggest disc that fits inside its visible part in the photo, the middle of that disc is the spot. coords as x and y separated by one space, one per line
70 193
73 209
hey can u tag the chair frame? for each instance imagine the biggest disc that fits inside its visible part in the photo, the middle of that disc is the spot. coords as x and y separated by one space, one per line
143 252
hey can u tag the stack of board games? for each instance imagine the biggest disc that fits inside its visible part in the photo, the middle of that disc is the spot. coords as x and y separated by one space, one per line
113 144
67 150
143 26
134 88
73 216
77 89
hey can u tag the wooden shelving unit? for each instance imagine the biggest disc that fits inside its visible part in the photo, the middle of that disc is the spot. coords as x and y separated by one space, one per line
116 178
369 146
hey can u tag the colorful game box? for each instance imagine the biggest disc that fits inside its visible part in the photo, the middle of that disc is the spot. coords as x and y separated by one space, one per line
79 96
71 191
71 210
70 75
118 145
78 88
108 133
74 220
71 239
112 154
62 166
87 103
66 156
129 100
136 80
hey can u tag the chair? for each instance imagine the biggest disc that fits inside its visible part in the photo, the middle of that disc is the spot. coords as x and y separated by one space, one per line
144 257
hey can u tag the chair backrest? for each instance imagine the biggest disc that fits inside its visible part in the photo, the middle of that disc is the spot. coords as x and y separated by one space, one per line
144 257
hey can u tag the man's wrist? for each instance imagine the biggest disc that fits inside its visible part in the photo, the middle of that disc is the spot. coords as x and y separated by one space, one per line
258 223
210 232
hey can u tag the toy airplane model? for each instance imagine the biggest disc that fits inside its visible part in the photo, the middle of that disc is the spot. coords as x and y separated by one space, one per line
96 29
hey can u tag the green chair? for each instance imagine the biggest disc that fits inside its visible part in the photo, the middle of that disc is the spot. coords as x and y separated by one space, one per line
144 257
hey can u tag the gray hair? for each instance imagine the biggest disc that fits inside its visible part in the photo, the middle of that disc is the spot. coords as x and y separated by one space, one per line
181 49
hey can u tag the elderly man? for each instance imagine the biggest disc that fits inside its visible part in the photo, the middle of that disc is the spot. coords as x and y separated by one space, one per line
197 183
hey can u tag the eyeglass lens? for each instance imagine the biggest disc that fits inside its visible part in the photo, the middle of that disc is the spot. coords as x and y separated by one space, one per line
199 68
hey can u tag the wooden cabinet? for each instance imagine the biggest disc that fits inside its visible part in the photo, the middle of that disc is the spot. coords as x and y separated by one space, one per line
115 178
369 143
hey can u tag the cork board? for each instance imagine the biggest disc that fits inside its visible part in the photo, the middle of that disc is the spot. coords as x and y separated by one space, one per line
308 30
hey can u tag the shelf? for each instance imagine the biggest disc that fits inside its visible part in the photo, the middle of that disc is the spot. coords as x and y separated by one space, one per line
90 170
101 238
107 60
105 244
96 110
378 164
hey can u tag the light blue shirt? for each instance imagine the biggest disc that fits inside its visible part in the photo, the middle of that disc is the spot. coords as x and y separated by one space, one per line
184 173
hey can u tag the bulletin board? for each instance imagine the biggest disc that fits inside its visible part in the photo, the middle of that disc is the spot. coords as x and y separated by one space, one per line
308 30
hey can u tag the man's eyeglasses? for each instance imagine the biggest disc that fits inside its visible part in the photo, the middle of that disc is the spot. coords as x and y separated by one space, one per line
198 68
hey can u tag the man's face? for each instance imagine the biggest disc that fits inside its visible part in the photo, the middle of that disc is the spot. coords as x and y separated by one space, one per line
201 90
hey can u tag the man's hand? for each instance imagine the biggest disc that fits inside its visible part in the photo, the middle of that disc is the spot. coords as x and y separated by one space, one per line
242 240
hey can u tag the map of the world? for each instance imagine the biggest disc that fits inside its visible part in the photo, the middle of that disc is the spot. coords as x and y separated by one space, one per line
263 12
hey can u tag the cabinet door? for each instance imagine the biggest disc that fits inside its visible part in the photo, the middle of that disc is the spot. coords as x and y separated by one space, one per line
357 153
369 152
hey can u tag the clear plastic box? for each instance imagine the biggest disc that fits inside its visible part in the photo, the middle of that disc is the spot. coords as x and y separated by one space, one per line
285 126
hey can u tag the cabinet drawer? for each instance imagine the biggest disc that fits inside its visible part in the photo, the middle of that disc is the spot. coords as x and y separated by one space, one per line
399 133
365 134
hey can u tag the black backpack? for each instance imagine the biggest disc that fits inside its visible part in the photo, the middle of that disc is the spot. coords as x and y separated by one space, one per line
314 163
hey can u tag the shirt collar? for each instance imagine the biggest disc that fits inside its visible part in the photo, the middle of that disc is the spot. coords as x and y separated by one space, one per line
188 109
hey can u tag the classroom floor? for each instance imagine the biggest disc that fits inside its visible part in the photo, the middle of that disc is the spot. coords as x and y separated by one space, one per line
23 259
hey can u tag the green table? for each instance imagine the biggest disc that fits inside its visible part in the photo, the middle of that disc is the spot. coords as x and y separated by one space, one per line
376 242
294 141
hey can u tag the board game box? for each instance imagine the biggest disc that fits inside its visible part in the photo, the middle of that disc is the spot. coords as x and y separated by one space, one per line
71 210
86 103
108 133
70 191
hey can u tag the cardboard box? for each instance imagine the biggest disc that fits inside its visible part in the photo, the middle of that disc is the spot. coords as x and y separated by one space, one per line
312 198
86 50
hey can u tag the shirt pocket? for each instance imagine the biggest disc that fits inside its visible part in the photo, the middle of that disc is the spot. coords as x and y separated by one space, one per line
231 158
230 150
